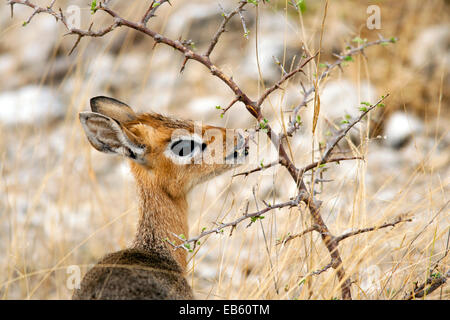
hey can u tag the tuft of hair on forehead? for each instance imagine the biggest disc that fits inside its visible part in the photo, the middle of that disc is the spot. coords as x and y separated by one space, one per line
157 120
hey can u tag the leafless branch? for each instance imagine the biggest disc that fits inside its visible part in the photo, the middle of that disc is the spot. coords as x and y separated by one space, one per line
226 18
325 268
322 162
278 84
152 10
236 99
297 235
263 167
364 230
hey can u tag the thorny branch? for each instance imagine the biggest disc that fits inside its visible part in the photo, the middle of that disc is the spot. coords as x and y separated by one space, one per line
252 106
233 224
150 13
226 17
342 133
346 235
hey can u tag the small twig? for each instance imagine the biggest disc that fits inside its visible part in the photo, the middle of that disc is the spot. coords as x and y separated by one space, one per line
297 235
342 133
226 18
236 99
277 62
322 270
322 162
277 85
263 167
244 26
150 13
364 230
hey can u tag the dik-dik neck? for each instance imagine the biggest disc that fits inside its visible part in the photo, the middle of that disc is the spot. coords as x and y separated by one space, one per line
160 216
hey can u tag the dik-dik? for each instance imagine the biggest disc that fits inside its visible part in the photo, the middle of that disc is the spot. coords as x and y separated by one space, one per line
167 157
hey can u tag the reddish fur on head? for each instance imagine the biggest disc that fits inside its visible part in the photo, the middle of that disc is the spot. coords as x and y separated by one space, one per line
167 158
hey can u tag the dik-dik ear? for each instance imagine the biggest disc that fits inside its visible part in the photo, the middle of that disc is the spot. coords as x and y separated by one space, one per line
112 108
107 135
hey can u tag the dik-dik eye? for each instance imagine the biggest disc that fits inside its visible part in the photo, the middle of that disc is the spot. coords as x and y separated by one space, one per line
186 147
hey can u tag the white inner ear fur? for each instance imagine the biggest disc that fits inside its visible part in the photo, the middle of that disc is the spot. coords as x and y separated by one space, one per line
197 153
100 136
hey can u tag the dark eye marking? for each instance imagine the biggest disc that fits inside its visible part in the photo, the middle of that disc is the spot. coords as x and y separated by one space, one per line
184 147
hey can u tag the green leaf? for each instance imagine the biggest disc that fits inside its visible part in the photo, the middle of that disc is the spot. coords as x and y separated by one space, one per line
299 120
364 109
393 40
322 65
156 4
93 6
436 275
263 124
218 107
344 121
359 40
348 58
366 103
348 117
301 5
255 2
381 105
203 229
182 236
24 24
253 219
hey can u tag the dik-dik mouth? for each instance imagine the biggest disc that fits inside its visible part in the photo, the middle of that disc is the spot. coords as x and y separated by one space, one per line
240 152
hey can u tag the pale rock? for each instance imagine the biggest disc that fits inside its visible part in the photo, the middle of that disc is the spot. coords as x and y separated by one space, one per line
195 16
400 127
30 105
35 41
274 30
8 64
430 50
342 97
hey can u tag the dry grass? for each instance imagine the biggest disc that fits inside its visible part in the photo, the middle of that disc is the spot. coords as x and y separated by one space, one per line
62 203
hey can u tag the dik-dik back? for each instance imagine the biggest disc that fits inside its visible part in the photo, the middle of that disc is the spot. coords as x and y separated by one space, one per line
135 274
168 158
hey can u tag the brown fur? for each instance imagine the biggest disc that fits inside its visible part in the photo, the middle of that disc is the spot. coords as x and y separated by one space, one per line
151 269
135 274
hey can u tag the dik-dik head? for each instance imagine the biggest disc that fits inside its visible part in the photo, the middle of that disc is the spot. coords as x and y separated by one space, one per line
174 154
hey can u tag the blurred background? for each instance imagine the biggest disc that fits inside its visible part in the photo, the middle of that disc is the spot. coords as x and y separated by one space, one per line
62 203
